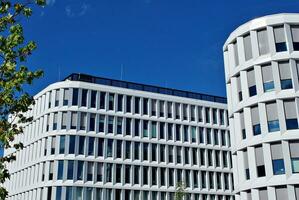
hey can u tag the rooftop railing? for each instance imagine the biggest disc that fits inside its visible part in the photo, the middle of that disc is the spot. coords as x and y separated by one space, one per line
143 87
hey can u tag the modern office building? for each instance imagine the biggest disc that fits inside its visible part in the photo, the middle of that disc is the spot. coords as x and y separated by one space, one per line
95 138
261 70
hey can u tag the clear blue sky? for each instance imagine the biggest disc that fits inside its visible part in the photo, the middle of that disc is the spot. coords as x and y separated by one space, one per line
173 43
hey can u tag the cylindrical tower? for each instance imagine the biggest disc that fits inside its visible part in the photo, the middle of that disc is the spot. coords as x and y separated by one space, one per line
261 68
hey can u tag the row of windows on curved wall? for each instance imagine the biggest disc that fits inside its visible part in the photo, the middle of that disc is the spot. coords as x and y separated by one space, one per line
99 173
277 157
288 73
136 151
272 123
132 104
280 192
89 193
124 126
264 43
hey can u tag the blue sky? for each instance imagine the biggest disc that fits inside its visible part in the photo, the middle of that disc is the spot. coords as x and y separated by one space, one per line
172 43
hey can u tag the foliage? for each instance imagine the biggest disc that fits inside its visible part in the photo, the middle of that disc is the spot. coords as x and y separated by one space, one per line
180 191
14 101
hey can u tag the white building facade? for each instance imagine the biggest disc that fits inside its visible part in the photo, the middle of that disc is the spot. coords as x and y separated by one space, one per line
94 138
261 69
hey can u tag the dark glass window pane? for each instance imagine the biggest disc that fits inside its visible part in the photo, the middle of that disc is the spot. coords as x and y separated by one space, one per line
282 46
100 146
72 144
261 171
119 102
256 129
84 97
128 104
269 86
278 167
93 99
91 146
70 170
75 97
286 84
296 46
247 173
102 100
292 124
81 144
60 170
273 126
252 91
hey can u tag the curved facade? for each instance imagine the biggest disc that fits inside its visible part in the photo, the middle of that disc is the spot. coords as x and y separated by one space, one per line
117 140
261 68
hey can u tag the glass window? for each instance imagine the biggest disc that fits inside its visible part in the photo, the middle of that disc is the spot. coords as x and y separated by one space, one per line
170 131
272 115
214 112
255 121
91 146
92 120
285 75
102 123
295 37
154 152
128 126
75 97
280 40
80 170
62 144
109 148
169 110
267 78
162 153
154 130
118 173
66 94
236 54
81 144
277 159
128 150
259 157
129 104
72 143
145 128
145 151
53 144
64 120
137 127
57 97
83 118
145 106
102 100
55 118
119 125
118 149
145 175
263 41
137 105
290 114
108 172
193 134
170 154
294 151
70 170
93 99
136 174
251 83
110 124
154 107
263 193
239 88
136 151
89 171
84 97
186 133
99 172
207 112
161 104
179 154
127 173
177 110
100 146
119 102
74 120
69 193
111 101
247 47
162 130
58 193
60 170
